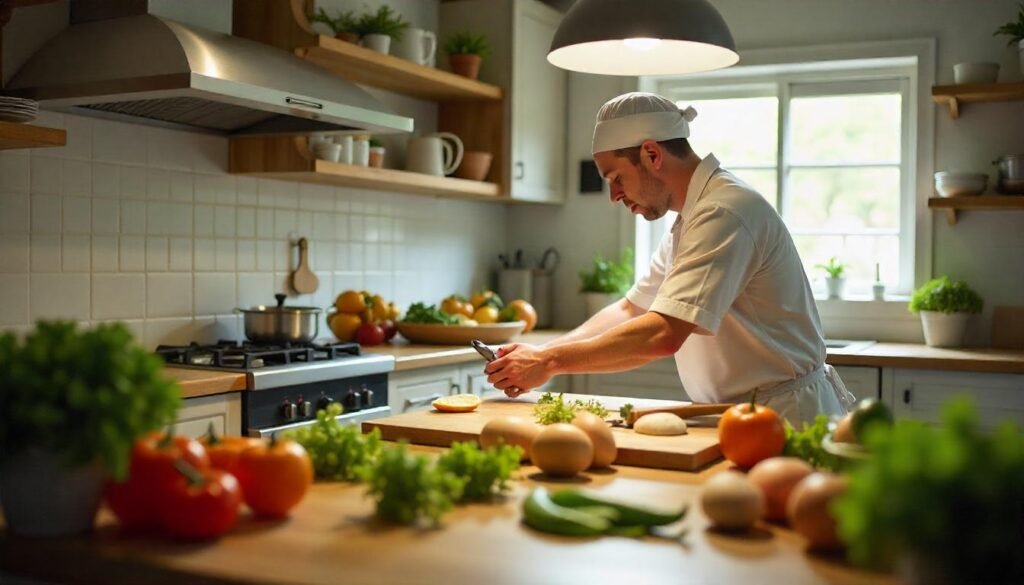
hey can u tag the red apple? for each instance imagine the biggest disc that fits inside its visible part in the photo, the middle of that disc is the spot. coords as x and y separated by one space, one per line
370 334
389 329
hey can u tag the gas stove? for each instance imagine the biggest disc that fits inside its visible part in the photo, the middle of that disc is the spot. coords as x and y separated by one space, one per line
289 383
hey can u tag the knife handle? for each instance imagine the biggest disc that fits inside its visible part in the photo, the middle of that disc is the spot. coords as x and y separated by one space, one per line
685 411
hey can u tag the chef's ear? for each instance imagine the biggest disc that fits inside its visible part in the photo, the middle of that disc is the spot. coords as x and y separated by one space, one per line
652 154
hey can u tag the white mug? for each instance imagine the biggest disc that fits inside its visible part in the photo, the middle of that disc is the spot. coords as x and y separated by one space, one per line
437 154
416 45
345 141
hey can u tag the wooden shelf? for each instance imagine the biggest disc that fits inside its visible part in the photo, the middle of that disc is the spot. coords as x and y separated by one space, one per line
25 136
980 202
954 95
393 74
288 159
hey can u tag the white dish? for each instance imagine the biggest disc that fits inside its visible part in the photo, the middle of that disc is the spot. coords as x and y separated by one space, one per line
986 72
950 184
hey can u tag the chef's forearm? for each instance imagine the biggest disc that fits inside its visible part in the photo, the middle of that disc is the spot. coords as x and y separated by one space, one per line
611 316
626 346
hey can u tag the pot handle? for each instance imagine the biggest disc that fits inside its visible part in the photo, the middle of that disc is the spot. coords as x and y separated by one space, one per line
280 299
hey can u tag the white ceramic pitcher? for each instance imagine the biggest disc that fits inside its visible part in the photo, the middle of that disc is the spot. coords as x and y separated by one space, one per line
416 45
436 154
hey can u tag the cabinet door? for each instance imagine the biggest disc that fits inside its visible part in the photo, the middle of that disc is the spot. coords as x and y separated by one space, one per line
862 382
223 411
658 379
415 390
475 382
538 107
920 394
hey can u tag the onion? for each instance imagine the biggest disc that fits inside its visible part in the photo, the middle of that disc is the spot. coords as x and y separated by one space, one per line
808 510
776 478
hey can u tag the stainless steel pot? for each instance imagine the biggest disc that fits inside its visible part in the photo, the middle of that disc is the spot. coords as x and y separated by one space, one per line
281 324
1011 174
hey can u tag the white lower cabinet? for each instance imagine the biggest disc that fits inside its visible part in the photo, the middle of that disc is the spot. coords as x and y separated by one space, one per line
862 382
223 411
920 394
658 379
413 390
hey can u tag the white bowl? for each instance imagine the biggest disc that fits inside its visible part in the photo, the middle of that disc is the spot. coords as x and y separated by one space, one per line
975 73
949 184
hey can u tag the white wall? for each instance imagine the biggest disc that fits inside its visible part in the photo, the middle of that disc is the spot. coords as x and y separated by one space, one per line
984 248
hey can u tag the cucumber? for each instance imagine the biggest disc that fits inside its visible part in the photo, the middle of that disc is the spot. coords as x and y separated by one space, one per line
541 513
629 515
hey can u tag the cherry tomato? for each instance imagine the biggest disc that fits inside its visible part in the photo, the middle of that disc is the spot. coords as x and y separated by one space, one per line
200 504
748 433
370 334
274 477
151 472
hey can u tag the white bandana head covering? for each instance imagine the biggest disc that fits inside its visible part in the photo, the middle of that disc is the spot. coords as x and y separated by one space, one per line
632 118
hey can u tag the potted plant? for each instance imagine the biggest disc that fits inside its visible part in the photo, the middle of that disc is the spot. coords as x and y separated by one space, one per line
1015 30
607 281
465 53
71 407
376 29
345 26
376 153
945 307
835 281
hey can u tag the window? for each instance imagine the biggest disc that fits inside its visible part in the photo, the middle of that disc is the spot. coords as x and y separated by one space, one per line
829 148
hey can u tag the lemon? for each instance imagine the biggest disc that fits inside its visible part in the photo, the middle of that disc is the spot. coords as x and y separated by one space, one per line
457 403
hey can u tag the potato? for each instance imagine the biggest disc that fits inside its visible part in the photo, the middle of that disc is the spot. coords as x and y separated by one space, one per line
731 501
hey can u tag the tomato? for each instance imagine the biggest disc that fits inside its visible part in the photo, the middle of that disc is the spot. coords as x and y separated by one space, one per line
275 477
388 326
151 472
344 325
520 310
201 504
486 314
748 433
370 334
350 301
225 451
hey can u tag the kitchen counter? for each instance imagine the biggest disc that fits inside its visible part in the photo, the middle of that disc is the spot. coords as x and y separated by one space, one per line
332 537
917 356
409 356
196 383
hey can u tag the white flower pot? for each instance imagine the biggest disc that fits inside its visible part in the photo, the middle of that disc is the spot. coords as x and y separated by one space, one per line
944 329
378 43
41 497
1020 54
596 301
835 287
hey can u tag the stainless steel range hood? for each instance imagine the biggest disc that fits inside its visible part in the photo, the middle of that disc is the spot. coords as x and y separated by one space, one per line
159 71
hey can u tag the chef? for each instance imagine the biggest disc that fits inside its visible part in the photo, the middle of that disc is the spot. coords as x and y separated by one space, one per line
726 294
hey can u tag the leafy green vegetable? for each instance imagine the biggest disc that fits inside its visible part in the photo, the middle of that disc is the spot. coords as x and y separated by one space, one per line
423 313
609 276
485 471
806 444
85 395
467 43
338 451
551 409
946 296
948 496
407 488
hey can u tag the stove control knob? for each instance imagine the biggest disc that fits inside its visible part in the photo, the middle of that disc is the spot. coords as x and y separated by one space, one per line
305 407
324 402
367 395
289 411
353 400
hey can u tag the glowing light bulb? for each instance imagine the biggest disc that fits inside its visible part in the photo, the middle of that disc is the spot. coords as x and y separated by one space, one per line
641 44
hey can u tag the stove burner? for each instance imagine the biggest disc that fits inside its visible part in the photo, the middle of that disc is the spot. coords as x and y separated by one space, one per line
248 356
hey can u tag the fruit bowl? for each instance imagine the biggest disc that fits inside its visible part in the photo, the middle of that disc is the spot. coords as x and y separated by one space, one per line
850 452
459 334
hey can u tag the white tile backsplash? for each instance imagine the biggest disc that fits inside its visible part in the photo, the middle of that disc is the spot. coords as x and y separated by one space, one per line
144 225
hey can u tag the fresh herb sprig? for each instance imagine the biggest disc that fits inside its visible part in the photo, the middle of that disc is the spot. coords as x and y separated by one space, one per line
339 452
551 409
408 489
424 313
806 444
485 471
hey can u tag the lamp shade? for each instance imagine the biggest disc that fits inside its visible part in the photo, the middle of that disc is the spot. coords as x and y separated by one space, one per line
642 37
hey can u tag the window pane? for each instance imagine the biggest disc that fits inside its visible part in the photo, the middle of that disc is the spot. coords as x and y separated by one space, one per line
843 199
762 181
853 128
739 131
859 253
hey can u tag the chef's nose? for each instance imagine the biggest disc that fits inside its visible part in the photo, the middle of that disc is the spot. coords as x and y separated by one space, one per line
617 195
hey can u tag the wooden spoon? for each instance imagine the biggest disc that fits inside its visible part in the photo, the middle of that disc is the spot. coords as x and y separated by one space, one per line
303 279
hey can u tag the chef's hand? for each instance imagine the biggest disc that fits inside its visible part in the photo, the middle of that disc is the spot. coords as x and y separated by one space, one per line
519 368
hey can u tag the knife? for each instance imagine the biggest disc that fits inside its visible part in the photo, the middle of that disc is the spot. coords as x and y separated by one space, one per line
487 353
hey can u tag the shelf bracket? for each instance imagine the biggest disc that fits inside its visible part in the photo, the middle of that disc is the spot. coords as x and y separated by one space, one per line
954 109
951 216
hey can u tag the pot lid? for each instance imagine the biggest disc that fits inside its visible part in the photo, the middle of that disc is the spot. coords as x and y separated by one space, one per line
280 308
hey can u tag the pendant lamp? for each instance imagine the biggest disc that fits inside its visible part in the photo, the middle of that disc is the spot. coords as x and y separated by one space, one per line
642 37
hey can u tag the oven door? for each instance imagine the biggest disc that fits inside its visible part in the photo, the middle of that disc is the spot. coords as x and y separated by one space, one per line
350 418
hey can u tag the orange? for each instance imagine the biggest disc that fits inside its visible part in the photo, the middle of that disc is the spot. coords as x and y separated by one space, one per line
380 308
521 310
485 315
344 325
274 477
457 403
350 301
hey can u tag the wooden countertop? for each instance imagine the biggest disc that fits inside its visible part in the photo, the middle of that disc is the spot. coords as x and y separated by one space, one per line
332 537
410 356
204 383
917 356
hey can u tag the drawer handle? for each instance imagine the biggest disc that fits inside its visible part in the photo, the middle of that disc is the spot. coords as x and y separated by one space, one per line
906 396
409 402
455 389
520 171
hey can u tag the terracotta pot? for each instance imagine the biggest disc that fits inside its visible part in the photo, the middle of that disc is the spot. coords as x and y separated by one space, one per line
377 156
475 165
348 37
465 65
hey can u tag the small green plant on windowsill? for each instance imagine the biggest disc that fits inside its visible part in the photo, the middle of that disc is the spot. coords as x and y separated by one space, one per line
835 279
609 276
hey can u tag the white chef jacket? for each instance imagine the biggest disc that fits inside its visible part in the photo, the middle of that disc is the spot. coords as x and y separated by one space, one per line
730 267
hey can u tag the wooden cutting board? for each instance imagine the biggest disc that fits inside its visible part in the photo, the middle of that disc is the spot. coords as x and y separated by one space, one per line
687 452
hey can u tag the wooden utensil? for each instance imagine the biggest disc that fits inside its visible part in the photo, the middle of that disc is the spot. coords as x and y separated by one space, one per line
303 279
685 411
